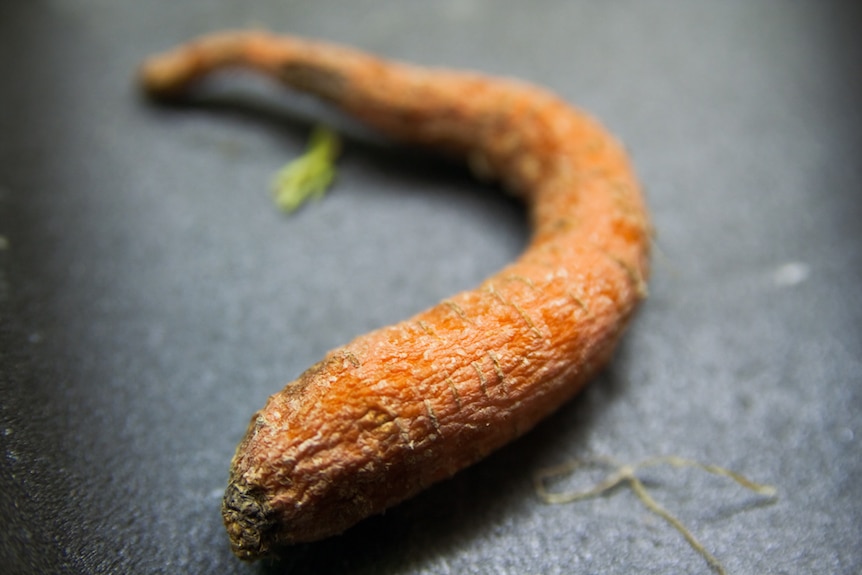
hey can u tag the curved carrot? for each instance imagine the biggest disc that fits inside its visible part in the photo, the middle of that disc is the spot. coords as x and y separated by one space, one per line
405 406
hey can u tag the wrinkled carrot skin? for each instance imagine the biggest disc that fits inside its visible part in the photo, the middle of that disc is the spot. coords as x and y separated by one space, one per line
408 405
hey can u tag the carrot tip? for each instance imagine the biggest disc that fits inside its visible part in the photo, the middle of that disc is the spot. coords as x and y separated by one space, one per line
162 76
248 520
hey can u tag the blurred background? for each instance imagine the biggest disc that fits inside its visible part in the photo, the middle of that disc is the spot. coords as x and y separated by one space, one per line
152 296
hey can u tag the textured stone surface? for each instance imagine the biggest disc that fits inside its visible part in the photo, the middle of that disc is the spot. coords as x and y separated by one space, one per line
151 297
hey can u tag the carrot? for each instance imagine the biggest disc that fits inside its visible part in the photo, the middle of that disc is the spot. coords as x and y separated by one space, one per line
405 406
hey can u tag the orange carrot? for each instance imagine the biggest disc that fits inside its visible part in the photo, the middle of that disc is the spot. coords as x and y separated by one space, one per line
408 405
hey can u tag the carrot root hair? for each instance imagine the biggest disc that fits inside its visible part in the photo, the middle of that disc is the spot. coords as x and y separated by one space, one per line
627 474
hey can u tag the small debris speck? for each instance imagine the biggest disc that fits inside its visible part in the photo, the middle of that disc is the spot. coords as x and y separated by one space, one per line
791 274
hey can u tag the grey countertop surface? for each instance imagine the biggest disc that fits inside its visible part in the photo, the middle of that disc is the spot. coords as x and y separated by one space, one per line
152 297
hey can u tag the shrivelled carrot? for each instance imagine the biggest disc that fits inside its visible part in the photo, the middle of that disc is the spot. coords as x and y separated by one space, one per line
408 405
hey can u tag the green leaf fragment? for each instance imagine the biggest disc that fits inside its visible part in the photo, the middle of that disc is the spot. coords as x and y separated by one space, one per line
310 175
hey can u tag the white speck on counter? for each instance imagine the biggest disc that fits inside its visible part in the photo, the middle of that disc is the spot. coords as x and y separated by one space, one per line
791 274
